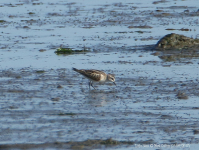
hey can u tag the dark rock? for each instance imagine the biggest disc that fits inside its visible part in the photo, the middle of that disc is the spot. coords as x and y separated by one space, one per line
195 131
176 42
55 99
182 95
59 86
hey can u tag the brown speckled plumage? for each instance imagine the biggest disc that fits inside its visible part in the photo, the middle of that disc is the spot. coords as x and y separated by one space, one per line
95 75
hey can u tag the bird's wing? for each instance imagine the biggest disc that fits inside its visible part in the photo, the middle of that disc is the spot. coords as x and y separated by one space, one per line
92 74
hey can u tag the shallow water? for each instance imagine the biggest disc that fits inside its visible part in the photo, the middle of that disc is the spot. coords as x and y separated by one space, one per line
144 107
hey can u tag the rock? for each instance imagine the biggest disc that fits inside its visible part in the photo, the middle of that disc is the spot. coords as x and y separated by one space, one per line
182 95
59 87
196 131
55 99
176 42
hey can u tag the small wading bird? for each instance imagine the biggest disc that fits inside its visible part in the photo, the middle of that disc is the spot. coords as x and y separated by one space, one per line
95 76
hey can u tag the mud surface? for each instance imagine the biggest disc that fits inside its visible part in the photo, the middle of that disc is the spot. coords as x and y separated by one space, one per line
44 104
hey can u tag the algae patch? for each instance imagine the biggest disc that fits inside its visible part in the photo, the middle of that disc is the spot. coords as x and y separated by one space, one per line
69 51
40 71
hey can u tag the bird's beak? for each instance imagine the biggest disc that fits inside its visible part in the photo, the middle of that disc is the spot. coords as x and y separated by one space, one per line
115 83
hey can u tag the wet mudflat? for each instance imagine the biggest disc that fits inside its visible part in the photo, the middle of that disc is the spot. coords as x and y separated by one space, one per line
44 104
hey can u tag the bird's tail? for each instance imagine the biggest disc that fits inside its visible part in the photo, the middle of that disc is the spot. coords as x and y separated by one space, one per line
75 69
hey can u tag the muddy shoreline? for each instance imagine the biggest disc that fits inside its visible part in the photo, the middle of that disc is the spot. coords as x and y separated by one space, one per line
45 104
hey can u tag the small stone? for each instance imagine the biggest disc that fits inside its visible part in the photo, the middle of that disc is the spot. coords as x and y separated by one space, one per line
42 50
55 99
59 86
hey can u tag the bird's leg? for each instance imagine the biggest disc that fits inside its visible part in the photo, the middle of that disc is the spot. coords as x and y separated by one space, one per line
92 84
89 84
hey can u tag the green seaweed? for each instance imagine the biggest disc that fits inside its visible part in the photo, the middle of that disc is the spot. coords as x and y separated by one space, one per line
2 21
40 71
68 51
64 51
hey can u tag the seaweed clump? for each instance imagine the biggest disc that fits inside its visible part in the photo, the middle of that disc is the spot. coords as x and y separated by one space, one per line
69 51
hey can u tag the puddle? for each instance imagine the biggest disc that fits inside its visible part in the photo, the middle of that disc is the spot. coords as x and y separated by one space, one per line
44 104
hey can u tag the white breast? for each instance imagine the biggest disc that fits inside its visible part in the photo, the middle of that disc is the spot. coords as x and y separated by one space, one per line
103 78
